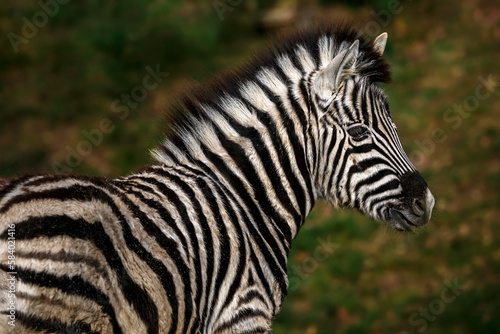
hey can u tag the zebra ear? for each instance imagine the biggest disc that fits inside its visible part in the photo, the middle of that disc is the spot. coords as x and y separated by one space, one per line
379 43
343 65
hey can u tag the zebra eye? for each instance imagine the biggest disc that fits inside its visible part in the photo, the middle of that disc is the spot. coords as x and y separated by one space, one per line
358 132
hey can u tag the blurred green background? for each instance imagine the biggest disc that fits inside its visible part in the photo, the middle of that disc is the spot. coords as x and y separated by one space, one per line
67 67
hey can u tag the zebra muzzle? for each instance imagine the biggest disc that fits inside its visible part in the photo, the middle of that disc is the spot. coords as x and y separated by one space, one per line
405 219
418 204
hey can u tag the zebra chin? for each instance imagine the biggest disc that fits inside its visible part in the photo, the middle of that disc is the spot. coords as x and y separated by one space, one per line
415 212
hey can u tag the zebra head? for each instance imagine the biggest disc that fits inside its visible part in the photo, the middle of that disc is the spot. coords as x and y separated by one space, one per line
361 162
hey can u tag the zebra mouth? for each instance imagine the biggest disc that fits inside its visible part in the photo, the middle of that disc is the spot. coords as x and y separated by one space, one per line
399 221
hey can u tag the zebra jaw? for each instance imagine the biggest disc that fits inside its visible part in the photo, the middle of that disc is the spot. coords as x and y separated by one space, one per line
399 221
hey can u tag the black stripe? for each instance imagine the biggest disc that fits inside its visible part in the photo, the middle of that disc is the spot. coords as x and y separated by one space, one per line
250 296
171 247
336 160
207 236
72 286
345 106
297 63
223 241
163 274
279 147
385 199
169 154
371 98
388 154
12 183
251 232
241 252
87 193
268 286
242 315
367 183
33 322
310 137
355 95
364 107
282 195
298 150
266 243
337 111
296 108
304 122
239 155
391 185
224 258
51 226
207 241
65 256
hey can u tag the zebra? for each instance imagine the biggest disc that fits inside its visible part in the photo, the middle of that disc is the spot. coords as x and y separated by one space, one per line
198 242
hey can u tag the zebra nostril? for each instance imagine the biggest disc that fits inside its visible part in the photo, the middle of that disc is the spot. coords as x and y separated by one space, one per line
418 207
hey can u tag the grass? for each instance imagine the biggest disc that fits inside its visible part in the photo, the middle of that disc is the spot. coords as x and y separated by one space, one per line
374 280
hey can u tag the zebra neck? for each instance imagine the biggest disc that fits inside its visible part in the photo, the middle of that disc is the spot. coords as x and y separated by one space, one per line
252 135
254 159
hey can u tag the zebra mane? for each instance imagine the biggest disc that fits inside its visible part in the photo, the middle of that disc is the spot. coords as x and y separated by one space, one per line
322 42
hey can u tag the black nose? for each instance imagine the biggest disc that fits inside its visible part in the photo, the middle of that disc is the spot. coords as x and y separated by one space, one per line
418 203
414 186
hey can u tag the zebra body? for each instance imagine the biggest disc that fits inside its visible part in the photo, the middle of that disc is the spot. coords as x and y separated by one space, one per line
198 243
168 221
